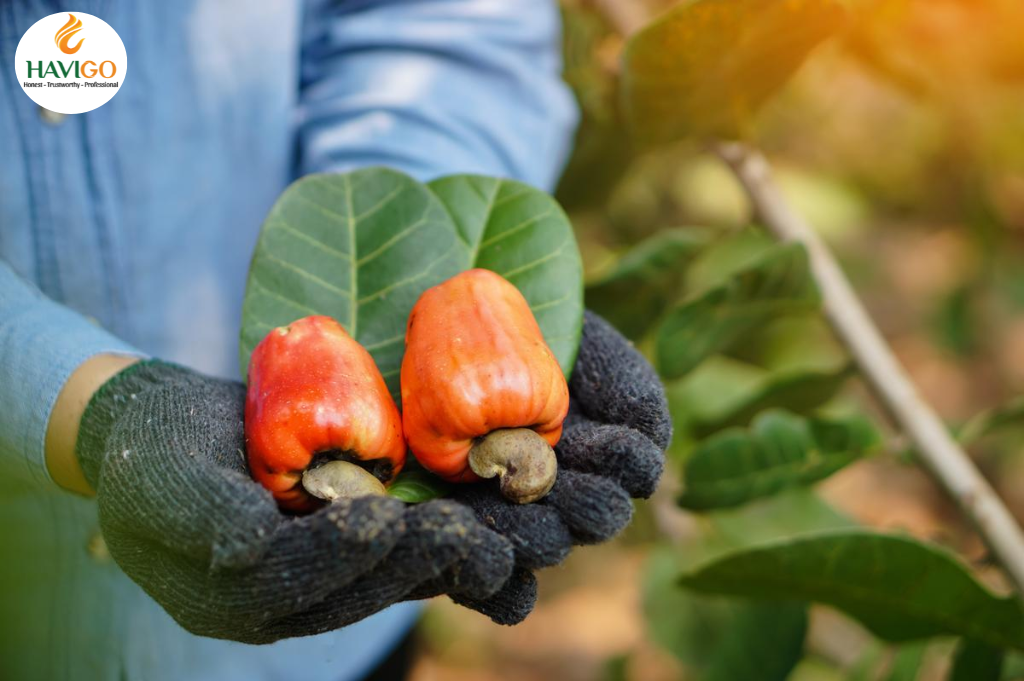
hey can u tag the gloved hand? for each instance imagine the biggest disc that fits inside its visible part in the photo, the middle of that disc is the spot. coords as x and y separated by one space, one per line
164 449
612 448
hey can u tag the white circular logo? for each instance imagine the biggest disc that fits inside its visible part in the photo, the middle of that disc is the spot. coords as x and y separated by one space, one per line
71 62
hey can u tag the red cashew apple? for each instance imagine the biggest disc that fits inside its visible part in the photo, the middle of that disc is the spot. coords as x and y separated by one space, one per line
314 396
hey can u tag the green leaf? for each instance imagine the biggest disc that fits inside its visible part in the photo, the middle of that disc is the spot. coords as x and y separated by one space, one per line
765 642
975 661
601 154
522 234
616 668
897 587
697 628
779 450
796 512
990 421
361 247
811 668
645 280
865 667
705 67
906 664
709 393
1013 666
721 638
729 255
686 624
793 513
777 284
799 392
956 324
415 485
793 344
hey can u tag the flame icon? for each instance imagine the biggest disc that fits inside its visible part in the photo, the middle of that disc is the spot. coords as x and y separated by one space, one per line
65 34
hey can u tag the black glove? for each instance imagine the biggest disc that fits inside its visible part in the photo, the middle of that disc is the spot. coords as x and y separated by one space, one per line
163 448
612 448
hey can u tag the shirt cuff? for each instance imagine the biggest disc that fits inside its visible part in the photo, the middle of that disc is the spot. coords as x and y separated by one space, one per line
41 344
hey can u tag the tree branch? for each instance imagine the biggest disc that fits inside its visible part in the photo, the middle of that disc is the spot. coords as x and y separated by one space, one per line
936 448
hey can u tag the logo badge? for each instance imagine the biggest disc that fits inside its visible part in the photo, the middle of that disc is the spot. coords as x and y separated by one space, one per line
65 34
71 62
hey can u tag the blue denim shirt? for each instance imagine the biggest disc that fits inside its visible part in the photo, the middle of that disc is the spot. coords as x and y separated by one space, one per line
129 230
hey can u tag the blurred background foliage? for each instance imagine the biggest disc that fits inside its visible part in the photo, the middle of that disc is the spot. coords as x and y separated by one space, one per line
901 139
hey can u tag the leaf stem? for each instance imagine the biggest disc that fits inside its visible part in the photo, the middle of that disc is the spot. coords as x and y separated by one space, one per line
938 451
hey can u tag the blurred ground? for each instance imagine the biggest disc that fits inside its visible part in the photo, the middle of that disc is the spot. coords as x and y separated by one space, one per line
904 144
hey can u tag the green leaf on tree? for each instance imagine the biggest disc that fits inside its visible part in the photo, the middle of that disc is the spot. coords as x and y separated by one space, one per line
899 588
765 641
907 662
705 631
975 661
720 638
800 392
645 280
780 450
777 284
1009 415
705 67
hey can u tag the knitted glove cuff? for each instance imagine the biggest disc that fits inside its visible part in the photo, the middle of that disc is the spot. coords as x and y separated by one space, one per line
106 403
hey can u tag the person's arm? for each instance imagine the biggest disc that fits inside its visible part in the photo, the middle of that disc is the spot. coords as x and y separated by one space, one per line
435 87
42 344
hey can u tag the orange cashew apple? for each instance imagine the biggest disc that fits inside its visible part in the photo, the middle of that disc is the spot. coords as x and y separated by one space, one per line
482 394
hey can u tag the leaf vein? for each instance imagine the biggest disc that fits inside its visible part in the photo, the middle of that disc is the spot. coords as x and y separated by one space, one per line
513 230
487 220
536 263
392 241
353 277
510 197
550 303
264 255
294 303
380 205
280 224
384 343
391 287
320 207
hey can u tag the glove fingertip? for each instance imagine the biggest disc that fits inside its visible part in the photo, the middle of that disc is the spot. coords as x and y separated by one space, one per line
643 486
537 533
487 567
511 604
614 383
548 546
445 538
238 544
617 452
594 508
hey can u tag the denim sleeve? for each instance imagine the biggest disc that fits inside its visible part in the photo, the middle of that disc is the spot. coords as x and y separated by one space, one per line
41 343
435 87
